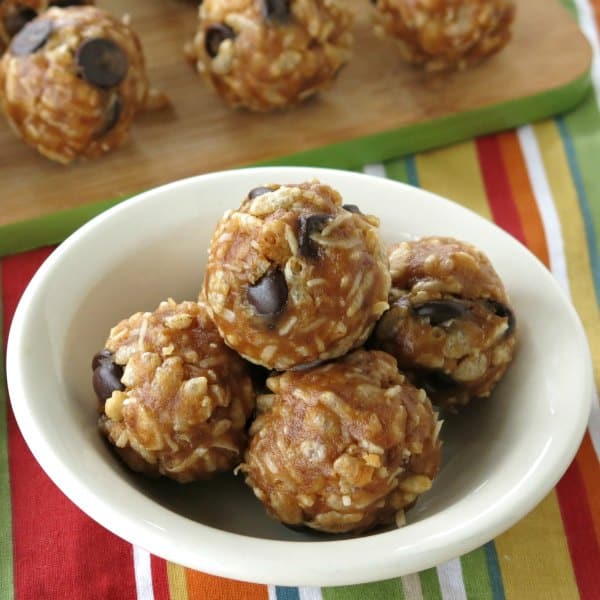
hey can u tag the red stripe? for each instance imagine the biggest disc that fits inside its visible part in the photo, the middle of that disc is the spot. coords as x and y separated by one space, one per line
579 528
497 186
59 552
16 274
160 580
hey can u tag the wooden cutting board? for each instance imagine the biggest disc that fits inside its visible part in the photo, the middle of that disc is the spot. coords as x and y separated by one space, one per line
378 108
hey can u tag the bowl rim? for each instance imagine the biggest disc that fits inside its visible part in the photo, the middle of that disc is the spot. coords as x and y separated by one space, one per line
296 564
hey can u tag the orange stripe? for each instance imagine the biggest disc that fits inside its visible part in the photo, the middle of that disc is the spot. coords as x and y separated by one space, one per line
202 587
590 471
523 197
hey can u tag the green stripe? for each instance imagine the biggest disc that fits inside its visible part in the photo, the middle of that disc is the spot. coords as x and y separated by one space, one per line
570 5
430 584
397 169
390 589
586 208
49 229
439 132
6 548
475 575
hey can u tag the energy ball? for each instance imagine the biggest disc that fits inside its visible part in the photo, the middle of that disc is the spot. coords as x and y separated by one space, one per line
15 14
72 81
445 34
269 54
344 446
174 398
450 325
294 277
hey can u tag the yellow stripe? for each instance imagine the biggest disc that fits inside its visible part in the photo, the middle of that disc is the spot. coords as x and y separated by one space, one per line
454 173
573 231
534 557
177 582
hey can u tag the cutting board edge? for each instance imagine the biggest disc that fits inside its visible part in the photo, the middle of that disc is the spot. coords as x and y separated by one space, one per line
437 133
54 227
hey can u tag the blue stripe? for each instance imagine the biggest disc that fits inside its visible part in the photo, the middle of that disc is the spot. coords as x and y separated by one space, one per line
411 169
287 593
494 571
588 221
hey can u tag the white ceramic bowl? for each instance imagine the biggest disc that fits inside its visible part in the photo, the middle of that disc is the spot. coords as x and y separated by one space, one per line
501 456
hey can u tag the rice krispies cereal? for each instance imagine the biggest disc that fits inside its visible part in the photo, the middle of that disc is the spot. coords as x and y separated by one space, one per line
268 54
344 446
445 34
72 81
294 277
174 399
450 324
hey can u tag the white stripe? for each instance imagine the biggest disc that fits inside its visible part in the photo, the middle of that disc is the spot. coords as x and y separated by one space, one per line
272 592
451 580
310 593
554 239
375 169
587 22
594 423
412 587
143 574
545 203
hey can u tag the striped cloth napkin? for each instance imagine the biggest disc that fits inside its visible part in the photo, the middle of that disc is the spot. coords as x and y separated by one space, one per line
541 183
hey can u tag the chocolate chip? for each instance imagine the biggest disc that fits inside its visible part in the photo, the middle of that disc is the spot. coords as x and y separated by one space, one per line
277 10
269 294
309 225
13 23
214 36
352 208
101 62
502 311
434 382
107 375
112 114
106 380
388 325
101 357
258 191
31 38
440 311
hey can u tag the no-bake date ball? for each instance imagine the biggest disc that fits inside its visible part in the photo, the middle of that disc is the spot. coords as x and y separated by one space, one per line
445 34
268 54
344 446
174 399
72 81
294 277
450 323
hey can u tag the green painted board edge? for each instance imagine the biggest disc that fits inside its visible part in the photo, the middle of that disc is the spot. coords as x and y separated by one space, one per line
350 154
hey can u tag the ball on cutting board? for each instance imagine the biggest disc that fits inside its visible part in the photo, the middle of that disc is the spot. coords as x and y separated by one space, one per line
269 54
72 81
445 34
